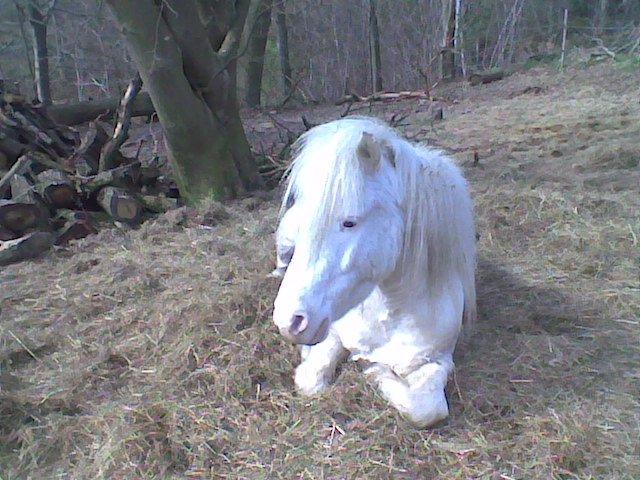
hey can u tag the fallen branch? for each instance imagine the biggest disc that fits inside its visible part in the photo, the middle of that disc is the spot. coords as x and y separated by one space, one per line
384 96
600 44
478 78
121 132
75 114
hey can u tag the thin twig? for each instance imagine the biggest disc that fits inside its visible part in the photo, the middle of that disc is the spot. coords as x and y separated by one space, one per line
15 337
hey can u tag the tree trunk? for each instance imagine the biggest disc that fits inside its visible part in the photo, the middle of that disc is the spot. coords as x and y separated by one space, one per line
256 31
374 49
449 52
193 90
40 54
458 40
601 16
283 46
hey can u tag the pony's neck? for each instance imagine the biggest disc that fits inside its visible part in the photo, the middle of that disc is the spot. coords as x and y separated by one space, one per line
401 289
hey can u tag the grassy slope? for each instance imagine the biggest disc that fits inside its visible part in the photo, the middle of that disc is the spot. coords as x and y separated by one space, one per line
151 354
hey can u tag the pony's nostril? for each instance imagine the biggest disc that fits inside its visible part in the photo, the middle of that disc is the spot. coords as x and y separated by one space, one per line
298 325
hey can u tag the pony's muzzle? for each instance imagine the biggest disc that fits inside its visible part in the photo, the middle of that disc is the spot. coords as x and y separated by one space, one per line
298 330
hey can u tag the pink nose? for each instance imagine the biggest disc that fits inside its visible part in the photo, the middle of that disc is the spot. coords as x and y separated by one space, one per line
298 325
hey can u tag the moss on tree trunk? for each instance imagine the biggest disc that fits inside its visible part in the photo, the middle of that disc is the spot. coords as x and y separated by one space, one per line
192 87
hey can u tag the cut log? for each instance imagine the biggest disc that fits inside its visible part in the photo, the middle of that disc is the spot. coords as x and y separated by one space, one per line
56 189
12 98
149 176
29 246
6 234
25 127
78 113
478 78
31 164
18 168
39 162
10 147
120 204
85 166
23 216
95 218
20 186
126 176
87 156
158 203
73 225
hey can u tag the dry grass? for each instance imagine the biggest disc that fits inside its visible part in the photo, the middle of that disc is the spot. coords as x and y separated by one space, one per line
150 353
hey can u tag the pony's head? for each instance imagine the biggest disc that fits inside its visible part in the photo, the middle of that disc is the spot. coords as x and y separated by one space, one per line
341 228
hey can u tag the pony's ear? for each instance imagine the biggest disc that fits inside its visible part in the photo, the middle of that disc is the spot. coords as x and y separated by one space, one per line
370 152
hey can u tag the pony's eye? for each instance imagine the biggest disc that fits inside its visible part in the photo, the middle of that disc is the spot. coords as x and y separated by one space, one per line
348 224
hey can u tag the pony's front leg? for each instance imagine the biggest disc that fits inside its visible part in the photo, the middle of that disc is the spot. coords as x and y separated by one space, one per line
420 395
319 363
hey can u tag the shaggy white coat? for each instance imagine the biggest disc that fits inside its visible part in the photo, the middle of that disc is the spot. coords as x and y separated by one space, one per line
394 287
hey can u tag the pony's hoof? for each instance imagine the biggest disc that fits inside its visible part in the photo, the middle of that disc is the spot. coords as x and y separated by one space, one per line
309 382
431 415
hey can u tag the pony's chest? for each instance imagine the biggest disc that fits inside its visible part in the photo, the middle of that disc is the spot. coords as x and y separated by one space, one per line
370 333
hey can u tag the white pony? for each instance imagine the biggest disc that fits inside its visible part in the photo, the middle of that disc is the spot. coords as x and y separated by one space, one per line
376 247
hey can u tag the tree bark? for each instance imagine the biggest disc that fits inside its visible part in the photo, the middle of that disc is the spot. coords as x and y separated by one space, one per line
283 46
374 49
256 32
38 24
193 90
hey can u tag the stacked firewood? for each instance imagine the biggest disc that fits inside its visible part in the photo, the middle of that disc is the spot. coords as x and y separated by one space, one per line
56 186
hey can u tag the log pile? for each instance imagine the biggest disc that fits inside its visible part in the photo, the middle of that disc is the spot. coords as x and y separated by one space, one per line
56 187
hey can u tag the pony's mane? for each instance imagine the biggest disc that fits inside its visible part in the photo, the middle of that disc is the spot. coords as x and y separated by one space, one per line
439 233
